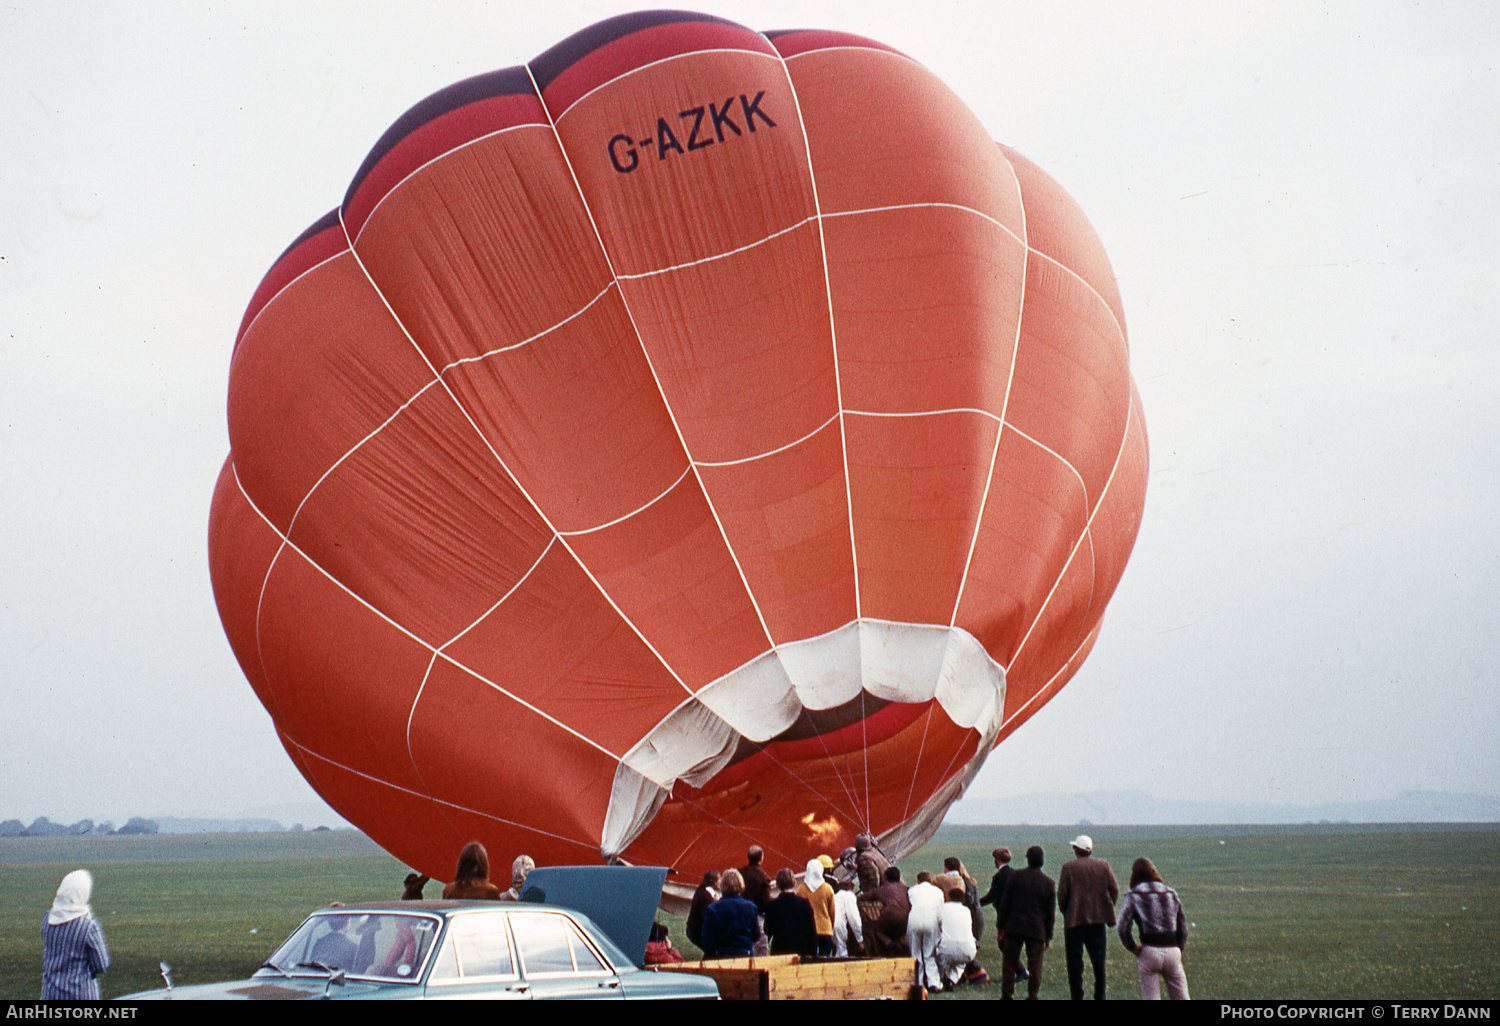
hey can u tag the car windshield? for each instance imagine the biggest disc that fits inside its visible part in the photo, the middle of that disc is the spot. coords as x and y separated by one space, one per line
387 946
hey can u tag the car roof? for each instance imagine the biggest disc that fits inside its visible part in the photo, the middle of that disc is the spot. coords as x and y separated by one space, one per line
426 905
618 901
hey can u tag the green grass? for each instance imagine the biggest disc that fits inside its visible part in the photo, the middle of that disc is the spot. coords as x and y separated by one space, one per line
212 905
1321 912
1329 912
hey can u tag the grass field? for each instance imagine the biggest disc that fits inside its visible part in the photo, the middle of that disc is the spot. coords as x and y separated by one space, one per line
1276 912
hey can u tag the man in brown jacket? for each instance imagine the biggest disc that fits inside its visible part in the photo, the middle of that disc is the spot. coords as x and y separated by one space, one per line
1086 893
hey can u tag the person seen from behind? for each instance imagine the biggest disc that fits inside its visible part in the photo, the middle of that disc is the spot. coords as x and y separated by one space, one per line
848 925
471 878
885 911
73 952
922 930
706 894
520 869
335 949
956 945
973 972
731 925
819 894
790 921
757 882
870 863
1026 914
1003 870
1086 896
1155 908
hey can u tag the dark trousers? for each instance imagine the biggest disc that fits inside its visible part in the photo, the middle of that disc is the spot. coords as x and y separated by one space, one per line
1011 961
1075 940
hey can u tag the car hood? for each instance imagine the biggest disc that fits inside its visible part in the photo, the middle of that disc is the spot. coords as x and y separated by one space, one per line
301 988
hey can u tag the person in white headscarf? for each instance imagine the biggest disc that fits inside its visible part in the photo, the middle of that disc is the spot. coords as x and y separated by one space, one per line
520 869
73 951
819 894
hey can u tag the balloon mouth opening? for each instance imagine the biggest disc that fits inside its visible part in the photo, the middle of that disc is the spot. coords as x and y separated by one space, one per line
802 793
822 733
850 732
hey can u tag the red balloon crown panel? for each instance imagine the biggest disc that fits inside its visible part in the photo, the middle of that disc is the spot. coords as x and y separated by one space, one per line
692 438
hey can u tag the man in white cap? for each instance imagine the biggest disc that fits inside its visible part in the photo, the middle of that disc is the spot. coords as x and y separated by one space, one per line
1086 894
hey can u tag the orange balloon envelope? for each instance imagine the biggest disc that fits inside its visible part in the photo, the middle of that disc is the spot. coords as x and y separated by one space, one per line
692 438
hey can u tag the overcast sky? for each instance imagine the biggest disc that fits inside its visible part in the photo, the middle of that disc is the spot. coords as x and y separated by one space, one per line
1302 205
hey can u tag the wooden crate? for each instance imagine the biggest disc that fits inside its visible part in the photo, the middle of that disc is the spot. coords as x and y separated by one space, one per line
793 978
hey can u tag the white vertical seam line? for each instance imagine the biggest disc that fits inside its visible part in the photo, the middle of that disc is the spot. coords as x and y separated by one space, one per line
411 753
411 716
1119 454
666 404
265 582
833 338
1015 351
1050 681
370 216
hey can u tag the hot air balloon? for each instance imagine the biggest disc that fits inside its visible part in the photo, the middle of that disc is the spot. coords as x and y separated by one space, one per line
691 438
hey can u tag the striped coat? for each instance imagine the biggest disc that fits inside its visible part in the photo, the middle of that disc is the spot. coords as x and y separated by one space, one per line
73 955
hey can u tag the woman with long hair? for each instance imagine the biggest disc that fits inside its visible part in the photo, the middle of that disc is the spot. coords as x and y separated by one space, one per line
706 894
1163 926
471 879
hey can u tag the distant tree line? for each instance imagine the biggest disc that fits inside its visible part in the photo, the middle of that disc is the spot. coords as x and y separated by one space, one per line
44 827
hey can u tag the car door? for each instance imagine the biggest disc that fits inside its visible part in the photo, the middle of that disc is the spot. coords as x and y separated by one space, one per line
476 960
557 960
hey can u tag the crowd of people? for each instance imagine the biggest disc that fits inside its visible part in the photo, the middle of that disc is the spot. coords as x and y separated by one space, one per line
856 904
1027 901
860 904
